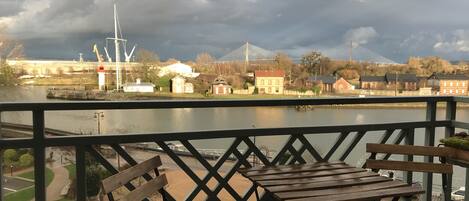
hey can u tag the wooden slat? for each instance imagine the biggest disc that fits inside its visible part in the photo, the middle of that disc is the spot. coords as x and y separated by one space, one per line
368 195
409 150
296 170
115 181
311 165
317 179
307 174
342 190
409 166
327 184
148 189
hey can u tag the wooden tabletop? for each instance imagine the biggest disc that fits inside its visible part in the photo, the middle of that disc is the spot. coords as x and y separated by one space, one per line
331 181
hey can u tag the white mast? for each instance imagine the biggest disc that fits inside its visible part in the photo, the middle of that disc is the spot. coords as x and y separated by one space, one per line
246 62
116 43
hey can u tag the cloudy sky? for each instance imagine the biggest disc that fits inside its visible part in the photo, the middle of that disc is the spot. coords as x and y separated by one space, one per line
395 29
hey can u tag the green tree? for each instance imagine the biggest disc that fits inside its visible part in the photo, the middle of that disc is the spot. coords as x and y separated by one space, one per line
9 156
26 160
316 89
7 75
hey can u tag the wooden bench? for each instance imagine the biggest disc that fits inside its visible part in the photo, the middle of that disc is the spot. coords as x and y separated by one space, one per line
446 170
146 190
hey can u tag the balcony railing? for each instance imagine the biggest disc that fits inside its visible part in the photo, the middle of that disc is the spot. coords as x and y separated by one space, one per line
297 148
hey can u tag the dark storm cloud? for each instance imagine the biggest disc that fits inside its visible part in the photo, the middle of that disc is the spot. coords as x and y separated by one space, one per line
182 28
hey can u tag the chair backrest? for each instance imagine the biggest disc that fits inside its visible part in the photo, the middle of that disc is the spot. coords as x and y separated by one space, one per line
148 189
443 152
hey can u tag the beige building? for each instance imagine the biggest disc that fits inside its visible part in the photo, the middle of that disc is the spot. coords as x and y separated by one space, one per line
269 82
449 84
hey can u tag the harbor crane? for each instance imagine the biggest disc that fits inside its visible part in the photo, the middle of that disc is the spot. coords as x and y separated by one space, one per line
98 56
128 56
101 71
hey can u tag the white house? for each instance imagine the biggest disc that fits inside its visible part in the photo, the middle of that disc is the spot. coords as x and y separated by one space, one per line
139 86
177 85
179 69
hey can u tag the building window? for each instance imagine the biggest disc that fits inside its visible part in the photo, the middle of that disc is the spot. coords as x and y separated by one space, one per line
444 83
450 84
462 91
277 90
444 91
457 91
270 82
463 84
262 82
450 91
457 84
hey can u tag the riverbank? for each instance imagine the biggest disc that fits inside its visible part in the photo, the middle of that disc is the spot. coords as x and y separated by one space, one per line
112 96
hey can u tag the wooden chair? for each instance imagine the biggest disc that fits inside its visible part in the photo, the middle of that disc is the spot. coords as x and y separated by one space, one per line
445 169
146 190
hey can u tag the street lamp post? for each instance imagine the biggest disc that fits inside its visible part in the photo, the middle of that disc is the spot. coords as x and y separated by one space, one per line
99 116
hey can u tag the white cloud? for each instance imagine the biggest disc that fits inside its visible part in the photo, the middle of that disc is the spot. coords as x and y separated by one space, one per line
457 42
360 36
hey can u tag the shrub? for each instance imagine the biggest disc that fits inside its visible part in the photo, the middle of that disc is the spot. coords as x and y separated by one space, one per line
26 160
94 175
9 156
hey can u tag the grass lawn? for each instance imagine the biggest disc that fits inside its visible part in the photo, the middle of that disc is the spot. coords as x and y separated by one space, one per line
71 171
28 194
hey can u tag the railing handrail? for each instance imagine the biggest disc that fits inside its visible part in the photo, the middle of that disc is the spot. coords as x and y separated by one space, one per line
211 134
164 104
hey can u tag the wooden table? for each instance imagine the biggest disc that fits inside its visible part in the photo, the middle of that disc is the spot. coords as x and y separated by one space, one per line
327 181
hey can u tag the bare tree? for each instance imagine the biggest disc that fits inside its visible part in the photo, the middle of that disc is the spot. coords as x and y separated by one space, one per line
283 61
145 56
204 62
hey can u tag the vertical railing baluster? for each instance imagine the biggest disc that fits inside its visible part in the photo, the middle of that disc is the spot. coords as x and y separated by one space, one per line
409 140
451 116
449 131
429 141
1 162
80 173
39 155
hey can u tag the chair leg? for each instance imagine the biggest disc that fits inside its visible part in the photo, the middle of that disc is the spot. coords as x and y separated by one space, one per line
446 186
257 194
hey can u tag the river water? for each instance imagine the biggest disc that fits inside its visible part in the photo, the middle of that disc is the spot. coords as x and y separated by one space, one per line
187 119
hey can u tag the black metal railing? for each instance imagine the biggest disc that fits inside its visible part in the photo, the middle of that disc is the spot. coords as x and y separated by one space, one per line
242 146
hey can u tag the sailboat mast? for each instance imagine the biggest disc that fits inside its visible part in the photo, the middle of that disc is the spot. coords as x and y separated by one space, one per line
246 62
116 43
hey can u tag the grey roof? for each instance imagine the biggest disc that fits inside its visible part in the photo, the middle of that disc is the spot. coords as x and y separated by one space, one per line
391 77
220 80
326 79
441 76
372 79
